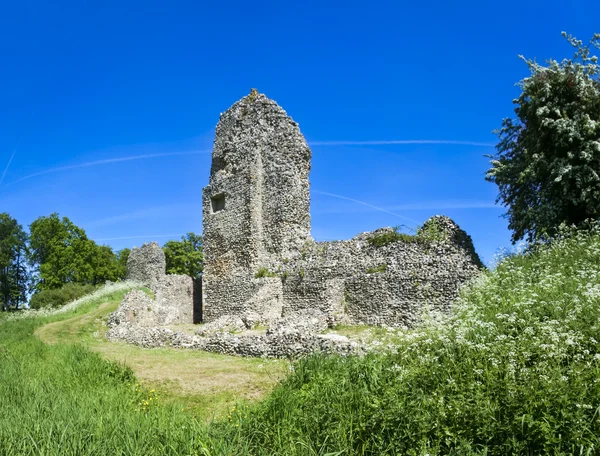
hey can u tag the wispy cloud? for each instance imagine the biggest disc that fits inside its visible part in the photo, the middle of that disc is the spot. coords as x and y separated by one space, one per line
109 161
401 142
146 213
148 236
377 208
420 205
7 166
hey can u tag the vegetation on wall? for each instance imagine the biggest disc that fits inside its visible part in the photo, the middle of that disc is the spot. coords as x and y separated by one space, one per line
428 233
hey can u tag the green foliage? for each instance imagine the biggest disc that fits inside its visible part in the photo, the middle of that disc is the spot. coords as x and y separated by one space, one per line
264 272
428 233
122 257
381 268
62 253
60 296
388 237
547 160
514 371
185 256
432 232
14 275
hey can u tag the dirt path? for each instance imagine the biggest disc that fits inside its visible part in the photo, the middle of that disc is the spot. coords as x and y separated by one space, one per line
208 382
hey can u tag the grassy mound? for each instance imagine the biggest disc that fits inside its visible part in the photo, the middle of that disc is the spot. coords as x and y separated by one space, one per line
516 370
65 399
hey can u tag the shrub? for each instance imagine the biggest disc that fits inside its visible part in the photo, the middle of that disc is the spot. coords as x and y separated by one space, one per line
432 232
514 370
59 297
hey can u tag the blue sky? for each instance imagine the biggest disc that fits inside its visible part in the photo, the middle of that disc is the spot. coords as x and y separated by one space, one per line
102 84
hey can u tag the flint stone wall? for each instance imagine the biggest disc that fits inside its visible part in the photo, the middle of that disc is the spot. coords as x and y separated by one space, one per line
287 338
255 207
256 211
146 264
173 301
381 285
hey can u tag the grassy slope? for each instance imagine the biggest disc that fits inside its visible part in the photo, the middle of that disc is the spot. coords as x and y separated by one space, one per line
516 370
63 398
209 383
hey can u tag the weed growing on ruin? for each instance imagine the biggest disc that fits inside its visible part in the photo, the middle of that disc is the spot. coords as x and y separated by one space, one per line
374 270
389 237
432 231
264 272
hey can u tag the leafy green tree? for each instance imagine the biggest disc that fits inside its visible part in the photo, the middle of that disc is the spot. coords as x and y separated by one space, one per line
547 162
185 256
122 257
61 253
14 275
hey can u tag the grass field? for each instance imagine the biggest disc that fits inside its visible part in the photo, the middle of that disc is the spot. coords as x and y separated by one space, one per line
514 370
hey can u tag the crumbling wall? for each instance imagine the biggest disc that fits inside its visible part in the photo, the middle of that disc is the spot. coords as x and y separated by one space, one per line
255 207
146 264
173 300
358 282
257 217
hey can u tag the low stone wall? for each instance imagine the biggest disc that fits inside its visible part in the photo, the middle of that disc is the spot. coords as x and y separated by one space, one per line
289 338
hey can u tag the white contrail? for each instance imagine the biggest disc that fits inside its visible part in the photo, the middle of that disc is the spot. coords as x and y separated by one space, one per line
400 142
150 236
365 204
108 161
8 165
11 159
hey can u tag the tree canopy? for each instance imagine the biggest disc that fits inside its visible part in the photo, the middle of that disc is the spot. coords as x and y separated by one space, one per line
547 161
185 256
61 253
14 275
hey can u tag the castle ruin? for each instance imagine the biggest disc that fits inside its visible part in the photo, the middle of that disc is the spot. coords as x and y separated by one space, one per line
262 267
261 262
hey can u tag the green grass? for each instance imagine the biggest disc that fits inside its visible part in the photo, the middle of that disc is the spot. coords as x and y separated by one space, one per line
515 370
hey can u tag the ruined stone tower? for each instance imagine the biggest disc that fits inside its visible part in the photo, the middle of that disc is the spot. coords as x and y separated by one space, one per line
256 207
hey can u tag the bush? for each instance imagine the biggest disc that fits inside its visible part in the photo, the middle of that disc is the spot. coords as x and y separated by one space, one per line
514 370
59 297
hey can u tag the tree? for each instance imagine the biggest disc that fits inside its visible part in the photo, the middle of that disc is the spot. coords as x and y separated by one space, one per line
14 275
547 162
185 256
61 253
122 257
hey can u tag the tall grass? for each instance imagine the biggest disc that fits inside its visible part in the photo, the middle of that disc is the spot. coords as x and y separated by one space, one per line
64 399
515 370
